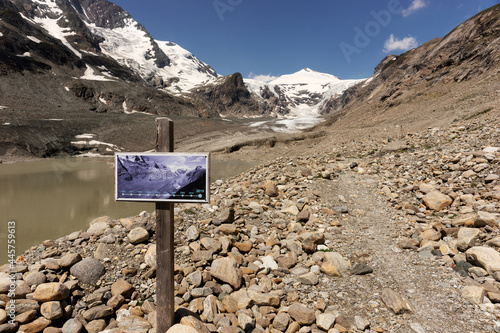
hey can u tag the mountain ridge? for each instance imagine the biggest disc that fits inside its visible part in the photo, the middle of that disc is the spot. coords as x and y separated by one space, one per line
61 59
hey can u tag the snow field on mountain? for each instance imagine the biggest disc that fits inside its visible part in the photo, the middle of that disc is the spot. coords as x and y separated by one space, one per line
305 91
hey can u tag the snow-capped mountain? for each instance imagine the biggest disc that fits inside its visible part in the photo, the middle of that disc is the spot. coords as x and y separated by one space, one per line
301 94
101 27
100 55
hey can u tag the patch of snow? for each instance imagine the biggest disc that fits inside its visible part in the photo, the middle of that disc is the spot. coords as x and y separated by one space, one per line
1 34
25 54
96 143
49 9
92 76
57 32
102 100
67 88
132 47
89 154
3 107
84 136
6 124
134 111
88 141
34 39
370 79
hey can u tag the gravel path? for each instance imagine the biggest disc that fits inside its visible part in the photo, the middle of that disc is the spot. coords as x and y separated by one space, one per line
369 234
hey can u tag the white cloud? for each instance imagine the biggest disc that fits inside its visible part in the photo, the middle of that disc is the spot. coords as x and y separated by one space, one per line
415 5
262 78
393 43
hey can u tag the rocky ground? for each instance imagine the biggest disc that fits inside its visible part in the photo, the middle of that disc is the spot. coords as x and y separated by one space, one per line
396 233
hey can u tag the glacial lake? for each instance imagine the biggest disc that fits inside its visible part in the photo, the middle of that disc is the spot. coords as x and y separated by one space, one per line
52 198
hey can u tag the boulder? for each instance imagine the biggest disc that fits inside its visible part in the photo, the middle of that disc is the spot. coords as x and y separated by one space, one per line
226 269
485 257
88 270
436 200
53 291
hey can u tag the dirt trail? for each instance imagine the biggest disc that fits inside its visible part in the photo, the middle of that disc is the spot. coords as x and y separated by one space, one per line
369 234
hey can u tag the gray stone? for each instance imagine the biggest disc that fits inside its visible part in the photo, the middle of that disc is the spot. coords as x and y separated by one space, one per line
98 312
281 321
209 308
417 328
99 225
4 283
226 269
138 235
466 236
201 292
245 320
211 244
361 269
192 233
395 302
325 321
338 261
35 278
361 323
226 216
150 256
88 270
194 278
488 219
51 310
301 314
308 279
69 259
474 294
103 251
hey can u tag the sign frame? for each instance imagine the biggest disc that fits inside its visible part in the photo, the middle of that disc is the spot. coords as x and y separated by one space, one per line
159 176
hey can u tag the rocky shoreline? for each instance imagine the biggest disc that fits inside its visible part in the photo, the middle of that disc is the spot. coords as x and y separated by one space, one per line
396 235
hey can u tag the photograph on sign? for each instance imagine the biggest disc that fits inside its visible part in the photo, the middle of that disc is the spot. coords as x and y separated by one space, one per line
174 177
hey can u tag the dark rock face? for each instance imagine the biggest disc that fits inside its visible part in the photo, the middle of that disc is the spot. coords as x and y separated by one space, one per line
228 96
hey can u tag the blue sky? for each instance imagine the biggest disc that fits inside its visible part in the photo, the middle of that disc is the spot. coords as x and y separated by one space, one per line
275 37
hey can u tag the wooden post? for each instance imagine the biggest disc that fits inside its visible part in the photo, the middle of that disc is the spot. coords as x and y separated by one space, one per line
165 299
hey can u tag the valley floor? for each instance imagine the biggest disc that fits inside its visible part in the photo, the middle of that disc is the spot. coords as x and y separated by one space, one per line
329 234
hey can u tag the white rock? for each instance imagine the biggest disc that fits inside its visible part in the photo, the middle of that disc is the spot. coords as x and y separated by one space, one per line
267 262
